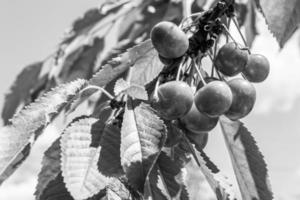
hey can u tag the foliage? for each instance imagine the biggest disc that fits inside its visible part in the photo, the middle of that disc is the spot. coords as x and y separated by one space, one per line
125 149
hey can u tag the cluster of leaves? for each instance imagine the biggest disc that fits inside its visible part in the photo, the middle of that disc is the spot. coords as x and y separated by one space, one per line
119 151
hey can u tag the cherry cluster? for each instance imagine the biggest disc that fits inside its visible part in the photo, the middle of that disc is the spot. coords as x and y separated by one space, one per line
197 99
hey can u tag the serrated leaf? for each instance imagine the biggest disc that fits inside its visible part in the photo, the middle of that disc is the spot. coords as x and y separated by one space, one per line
142 137
56 190
116 190
120 86
82 96
250 23
169 169
26 126
171 174
146 68
79 159
166 180
217 181
50 168
154 186
137 92
282 16
120 64
109 163
248 163
133 90
20 90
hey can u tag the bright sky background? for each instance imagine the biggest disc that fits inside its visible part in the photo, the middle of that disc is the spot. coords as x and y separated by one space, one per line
31 29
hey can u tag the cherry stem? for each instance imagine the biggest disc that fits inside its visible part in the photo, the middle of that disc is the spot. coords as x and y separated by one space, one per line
198 71
179 71
198 14
110 96
238 28
129 75
228 26
229 34
156 87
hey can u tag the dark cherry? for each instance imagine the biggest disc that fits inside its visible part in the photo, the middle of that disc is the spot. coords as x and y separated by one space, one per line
244 96
257 68
231 59
213 99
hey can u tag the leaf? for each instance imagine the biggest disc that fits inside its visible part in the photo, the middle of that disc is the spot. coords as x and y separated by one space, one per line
56 190
154 186
80 62
284 21
20 90
248 163
133 90
117 190
50 168
90 19
170 171
109 163
82 96
217 181
26 126
142 137
120 64
120 86
166 180
250 23
146 68
79 160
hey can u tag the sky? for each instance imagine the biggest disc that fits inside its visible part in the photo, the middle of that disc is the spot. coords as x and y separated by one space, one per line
30 31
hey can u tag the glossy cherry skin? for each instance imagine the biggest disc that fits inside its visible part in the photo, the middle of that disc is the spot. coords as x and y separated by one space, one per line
174 99
257 68
197 122
169 40
231 60
213 99
244 96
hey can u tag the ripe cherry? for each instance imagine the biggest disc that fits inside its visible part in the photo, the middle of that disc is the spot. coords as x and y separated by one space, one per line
231 60
244 96
197 122
169 40
213 99
257 68
174 99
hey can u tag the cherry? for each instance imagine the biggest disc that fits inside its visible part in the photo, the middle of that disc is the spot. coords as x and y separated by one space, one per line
169 40
174 99
213 99
199 140
244 96
197 122
257 68
231 60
